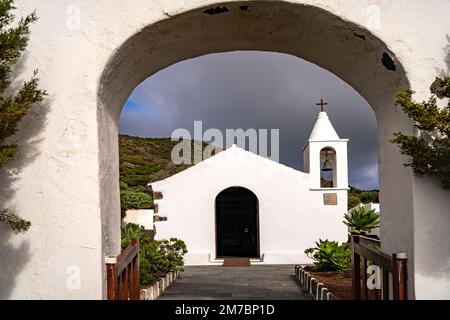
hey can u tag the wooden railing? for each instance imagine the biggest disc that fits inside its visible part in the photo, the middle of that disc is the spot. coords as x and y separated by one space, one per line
123 274
392 271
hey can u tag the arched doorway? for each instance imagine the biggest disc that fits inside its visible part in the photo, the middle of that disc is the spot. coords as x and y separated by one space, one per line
237 231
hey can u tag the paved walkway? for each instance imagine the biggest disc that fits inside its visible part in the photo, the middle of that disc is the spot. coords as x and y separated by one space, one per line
274 282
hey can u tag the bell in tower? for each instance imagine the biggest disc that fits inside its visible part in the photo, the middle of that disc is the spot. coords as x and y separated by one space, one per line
327 164
325 152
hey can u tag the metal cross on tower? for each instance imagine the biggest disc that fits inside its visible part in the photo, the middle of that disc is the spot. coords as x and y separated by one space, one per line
322 104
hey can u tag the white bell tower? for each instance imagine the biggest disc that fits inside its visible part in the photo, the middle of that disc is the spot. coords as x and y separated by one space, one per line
325 151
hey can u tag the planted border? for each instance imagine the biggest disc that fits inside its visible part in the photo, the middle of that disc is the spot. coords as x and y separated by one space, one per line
316 289
155 290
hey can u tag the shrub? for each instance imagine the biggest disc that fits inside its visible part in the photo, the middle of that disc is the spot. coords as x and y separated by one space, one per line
131 231
175 250
156 258
353 201
369 196
362 220
152 261
123 186
330 255
134 200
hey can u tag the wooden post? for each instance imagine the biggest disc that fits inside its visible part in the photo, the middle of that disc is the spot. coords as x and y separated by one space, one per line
385 285
123 274
136 280
125 280
356 271
399 276
111 280
131 286
366 290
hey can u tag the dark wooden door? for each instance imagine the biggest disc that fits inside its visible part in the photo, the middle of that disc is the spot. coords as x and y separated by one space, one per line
237 223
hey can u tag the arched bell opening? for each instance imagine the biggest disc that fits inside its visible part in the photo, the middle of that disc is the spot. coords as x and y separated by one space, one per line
328 168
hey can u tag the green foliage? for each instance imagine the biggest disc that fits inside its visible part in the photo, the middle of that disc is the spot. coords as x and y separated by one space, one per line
430 152
134 200
123 185
16 223
339 277
144 160
175 249
132 231
135 171
14 104
326 183
367 196
156 258
151 262
141 161
362 220
353 200
330 255
357 196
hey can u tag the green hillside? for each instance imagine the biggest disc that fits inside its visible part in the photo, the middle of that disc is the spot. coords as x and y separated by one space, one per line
145 160
355 195
141 161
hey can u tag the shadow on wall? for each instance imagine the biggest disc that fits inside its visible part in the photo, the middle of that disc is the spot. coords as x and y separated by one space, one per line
13 260
432 238
447 49
15 249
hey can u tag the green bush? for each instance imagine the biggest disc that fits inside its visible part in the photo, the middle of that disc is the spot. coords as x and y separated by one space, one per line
369 196
135 180
175 250
123 186
362 220
353 201
330 255
156 258
134 200
131 231
152 261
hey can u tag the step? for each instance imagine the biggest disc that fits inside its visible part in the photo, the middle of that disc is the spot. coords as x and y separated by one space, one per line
236 262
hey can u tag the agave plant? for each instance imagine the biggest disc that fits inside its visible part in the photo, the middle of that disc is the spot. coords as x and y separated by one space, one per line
131 231
330 255
362 220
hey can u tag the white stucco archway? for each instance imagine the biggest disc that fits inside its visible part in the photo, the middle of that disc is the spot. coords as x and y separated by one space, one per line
71 183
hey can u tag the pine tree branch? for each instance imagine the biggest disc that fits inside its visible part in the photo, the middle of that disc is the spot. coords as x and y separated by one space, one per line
13 41
429 154
16 223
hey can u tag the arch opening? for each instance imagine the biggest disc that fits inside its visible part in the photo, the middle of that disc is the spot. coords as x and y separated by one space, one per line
280 26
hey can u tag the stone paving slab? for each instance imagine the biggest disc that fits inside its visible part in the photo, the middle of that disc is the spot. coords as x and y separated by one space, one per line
263 282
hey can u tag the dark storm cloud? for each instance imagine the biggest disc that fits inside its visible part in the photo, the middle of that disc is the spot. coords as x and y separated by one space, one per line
256 90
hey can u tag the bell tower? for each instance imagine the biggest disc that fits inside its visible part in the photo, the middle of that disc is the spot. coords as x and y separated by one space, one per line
326 152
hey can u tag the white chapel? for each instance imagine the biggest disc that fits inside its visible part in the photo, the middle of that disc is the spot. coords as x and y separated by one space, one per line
239 204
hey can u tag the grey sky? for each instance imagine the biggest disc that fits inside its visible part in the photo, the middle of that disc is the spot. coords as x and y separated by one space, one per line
256 90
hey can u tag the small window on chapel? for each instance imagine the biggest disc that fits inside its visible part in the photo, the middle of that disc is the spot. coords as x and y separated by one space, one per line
328 168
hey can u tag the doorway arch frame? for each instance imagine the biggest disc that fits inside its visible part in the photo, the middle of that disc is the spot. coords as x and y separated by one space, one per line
216 225
278 26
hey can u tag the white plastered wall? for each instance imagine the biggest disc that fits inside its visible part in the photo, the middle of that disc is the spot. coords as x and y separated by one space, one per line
291 215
